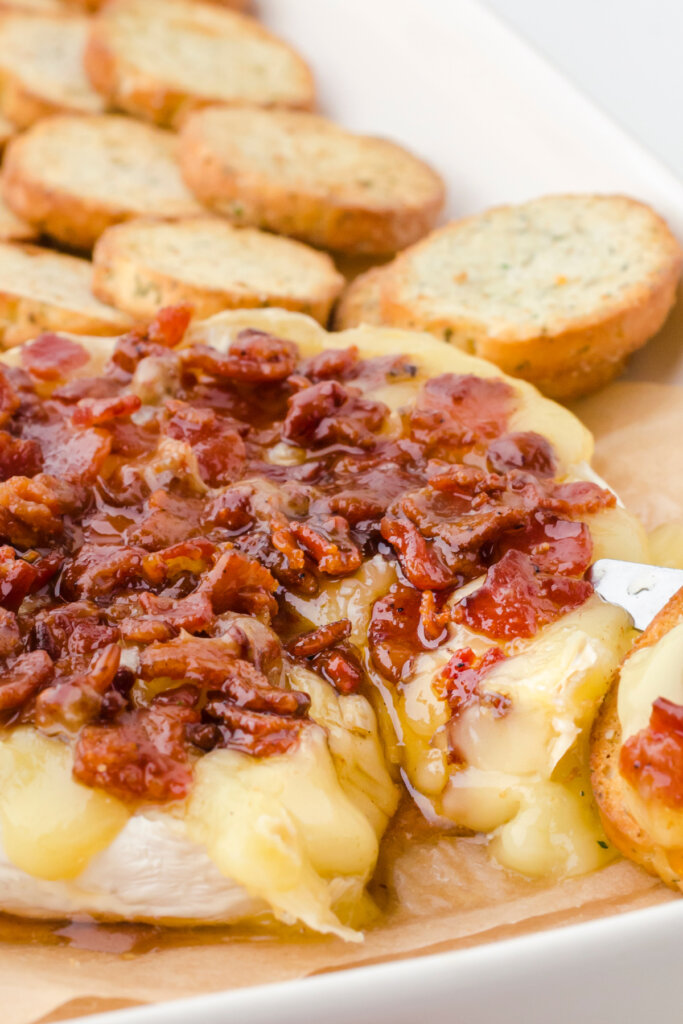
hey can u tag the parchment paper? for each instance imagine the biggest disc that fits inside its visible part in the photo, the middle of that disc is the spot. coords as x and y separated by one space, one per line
437 892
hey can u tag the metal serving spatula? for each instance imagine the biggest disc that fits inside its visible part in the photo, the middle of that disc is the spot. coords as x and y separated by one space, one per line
642 590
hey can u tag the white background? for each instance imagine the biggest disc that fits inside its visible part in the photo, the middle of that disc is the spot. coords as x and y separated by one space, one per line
627 55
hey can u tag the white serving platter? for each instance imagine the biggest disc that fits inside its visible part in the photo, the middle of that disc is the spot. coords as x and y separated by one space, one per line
452 82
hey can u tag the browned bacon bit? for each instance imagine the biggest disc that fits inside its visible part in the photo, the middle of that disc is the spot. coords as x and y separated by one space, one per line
92 411
9 399
283 540
341 667
17 578
169 325
434 616
459 410
328 413
53 357
99 569
329 543
238 583
253 732
53 628
516 599
30 510
24 677
168 521
253 358
90 636
555 545
458 683
317 640
231 509
578 498
335 362
19 457
394 633
86 387
215 440
73 702
189 556
10 637
652 759
203 660
248 688
524 450
142 756
419 560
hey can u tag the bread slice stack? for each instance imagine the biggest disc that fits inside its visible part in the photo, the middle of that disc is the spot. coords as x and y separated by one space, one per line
142 265
559 290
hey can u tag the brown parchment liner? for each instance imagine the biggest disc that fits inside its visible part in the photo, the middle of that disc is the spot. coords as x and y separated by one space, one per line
438 892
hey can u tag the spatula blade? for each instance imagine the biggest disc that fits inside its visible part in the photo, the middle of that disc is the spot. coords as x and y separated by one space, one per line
642 590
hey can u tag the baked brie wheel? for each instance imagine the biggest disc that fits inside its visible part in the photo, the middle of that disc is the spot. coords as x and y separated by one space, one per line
637 749
250 571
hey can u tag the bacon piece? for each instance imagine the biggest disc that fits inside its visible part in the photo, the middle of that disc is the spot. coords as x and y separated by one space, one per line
240 583
52 627
31 509
74 454
328 413
554 545
17 577
86 387
215 440
19 457
523 450
254 732
308 644
24 678
336 363
458 410
9 399
99 569
254 357
94 411
71 703
459 684
394 632
143 756
53 357
516 599
203 660
581 497
329 543
169 520
232 509
341 667
169 325
652 760
189 556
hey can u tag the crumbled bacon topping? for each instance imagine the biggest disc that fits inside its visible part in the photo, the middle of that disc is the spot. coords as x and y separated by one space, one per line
154 516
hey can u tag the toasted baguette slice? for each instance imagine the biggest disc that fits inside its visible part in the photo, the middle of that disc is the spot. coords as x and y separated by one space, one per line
33 6
41 68
360 301
302 175
158 59
13 228
612 792
42 290
75 176
7 131
558 290
144 264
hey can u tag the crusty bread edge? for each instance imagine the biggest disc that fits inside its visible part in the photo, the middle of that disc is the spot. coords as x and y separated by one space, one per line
609 786
116 276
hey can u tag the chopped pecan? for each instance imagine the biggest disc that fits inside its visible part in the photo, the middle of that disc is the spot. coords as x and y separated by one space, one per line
253 358
30 509
215 440
328 413
254 732
420 560
24 678
203 660
248 688
240 583
19 457
317 640
10 637
189 556
341 667
165 616
329 543
70 703
99 569
9 399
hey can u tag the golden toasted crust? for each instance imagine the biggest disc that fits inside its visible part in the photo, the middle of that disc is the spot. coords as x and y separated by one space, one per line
72 177
143 265
609 786
360 301
159 59
302 175
458 284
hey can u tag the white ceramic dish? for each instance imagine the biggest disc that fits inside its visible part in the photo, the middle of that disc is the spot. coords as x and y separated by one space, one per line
450 80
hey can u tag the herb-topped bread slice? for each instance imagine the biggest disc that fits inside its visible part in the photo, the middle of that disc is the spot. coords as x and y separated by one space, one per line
157 59
41 67
42 290
299 174
75 176
558 290
144 264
